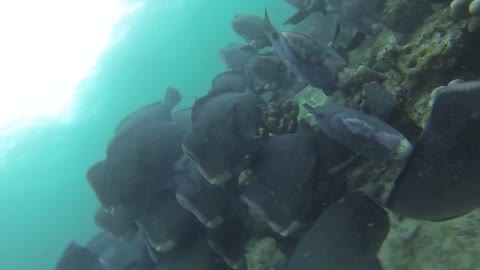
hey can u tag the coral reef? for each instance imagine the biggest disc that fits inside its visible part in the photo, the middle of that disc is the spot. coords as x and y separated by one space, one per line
280 118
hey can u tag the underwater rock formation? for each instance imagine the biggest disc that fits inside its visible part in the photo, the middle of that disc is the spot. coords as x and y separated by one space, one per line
413 244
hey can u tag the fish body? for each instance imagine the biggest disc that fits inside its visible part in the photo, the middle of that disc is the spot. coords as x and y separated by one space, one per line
236 55
166 225
264 70
225 129
312 61
76 257
365 134
198 255
441 178
347 236
230 81
183 118
283 170
138 162
250 28
208 202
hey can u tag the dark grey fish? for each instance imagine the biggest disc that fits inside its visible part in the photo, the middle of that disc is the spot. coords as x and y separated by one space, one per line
126 253
101 242
365 134
123 253
266 70
230 81
379 101
441 179
250 28
229 240
225 128
209 203
166 225
305 8
183 118
331 154
312 61
283 170
140 162
347 236
119 221
158 111
196 256
235 55
98 179
291 90
76 257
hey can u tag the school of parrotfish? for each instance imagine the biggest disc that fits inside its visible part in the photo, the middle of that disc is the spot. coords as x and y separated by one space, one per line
177 188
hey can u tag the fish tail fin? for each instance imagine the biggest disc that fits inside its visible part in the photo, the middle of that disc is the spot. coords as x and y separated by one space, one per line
172 97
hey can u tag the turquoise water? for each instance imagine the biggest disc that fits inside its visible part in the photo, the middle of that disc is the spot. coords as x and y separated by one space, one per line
45 200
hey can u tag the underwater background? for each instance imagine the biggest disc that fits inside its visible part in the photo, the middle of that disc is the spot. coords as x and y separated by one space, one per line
45 200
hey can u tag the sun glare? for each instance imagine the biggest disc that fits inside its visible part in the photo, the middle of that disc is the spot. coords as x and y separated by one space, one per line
46 48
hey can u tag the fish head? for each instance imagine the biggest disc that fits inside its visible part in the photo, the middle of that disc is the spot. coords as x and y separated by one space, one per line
262 70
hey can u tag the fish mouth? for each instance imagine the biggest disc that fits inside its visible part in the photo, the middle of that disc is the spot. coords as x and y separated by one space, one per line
257 209
403 150
188 205
234 264
214 179
159 246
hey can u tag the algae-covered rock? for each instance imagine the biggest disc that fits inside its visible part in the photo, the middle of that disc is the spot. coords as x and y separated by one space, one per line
263 254
404 16
416 63
375 178
421 245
